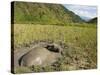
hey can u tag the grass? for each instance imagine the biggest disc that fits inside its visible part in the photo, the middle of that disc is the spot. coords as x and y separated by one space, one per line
78 36
44 13
81 42
22 70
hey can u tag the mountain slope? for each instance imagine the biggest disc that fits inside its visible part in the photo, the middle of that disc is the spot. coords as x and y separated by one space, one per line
94 20
42 13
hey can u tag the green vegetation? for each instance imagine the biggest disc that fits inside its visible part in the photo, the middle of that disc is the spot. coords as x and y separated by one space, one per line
53 22
80 41
79 36
37 13
94 20
22 70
